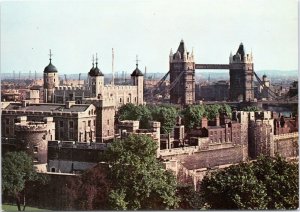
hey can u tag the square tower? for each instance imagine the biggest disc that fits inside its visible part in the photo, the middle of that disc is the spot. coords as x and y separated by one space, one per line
241 76
182 76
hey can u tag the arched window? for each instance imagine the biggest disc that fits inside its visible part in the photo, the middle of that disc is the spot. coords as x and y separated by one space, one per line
52 169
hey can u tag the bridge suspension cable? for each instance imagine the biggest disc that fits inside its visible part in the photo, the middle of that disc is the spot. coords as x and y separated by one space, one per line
272 93
157 90
157 87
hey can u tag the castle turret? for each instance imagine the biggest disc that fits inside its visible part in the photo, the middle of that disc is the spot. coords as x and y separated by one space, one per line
34 95
241 75
138 80
50 81
34 136
182 76
96 80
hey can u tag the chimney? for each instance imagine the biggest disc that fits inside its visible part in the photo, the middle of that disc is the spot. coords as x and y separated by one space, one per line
178 121
217 119
69 104
24 103
48 119
22 119
204 122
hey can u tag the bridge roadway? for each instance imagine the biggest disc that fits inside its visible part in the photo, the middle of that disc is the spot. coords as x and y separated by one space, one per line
219 66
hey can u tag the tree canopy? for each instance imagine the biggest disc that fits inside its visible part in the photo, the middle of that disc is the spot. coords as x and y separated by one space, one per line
194 113
268 183
250 108
166 115
17 170
139 181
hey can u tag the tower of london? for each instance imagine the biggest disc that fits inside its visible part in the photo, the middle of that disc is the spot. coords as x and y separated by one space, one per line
93 89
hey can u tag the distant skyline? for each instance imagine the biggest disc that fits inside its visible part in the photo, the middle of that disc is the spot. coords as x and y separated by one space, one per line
75 30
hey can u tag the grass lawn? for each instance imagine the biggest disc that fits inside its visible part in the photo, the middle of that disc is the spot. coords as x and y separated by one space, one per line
15 208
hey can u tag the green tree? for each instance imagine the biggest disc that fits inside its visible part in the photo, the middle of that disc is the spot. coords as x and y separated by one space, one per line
189 198
166 115
139 113
143 115
127 112
226 109
17 171
139 181
89 191
268 183
250 108
211 111
192 116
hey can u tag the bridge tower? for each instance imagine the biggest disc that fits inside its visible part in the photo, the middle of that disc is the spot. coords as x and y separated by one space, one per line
241 75
182 76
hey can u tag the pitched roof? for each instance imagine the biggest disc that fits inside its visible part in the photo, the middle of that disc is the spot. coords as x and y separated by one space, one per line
241 51
181 47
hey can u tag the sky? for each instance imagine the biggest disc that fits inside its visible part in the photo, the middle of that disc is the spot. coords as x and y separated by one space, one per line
75 30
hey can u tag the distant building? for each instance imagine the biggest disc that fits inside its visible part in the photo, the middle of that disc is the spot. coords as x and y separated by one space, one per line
216 91
72 121
107 98
94 89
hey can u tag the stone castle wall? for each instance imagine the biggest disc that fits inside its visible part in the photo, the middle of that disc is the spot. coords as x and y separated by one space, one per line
287 144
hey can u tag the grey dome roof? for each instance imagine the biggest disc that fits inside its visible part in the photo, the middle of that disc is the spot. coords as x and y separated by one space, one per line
137 73
50 68
95 71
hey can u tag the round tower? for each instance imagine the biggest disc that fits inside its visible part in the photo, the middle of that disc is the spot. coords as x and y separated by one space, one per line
33 137
96 80
50 81
137 78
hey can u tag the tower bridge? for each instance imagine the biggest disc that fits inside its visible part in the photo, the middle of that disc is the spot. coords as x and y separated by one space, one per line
182 77
183 91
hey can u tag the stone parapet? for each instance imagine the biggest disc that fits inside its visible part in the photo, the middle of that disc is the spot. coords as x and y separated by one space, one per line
286 136
31 126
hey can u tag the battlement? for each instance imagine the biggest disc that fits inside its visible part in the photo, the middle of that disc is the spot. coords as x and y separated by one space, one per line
248 58
107 102
155 124
190 150
68 87
31 126
119 87
79 145
185 57
260 122
133 125
246 116
263 115
286 136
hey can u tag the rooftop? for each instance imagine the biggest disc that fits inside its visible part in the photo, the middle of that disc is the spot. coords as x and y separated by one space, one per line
48 107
